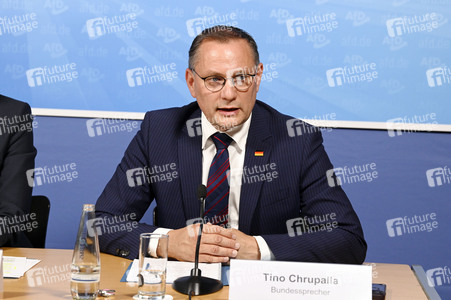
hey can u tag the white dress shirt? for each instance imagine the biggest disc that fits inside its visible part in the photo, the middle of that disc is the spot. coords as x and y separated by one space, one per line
237 150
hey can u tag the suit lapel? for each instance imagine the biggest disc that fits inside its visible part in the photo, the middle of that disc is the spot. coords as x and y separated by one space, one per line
190 166
259 139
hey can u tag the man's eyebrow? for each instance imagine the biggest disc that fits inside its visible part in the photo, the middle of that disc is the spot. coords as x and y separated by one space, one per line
213 73
237 72
243 71
218 74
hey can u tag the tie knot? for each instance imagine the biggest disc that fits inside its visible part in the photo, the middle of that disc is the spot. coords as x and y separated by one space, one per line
221 140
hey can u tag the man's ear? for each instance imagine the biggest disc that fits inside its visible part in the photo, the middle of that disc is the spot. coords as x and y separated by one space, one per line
259 73
189 77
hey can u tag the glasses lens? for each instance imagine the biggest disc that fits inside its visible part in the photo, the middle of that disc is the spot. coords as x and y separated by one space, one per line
243 82
214 83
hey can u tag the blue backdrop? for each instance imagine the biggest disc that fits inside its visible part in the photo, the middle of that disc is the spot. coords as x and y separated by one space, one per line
362 60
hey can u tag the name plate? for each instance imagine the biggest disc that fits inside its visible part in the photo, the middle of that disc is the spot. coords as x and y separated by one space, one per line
252 279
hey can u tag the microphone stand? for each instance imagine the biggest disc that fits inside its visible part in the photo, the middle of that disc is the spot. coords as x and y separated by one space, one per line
196 284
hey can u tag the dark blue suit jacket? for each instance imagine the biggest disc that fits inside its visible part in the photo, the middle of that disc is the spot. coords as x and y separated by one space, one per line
300 189
17 155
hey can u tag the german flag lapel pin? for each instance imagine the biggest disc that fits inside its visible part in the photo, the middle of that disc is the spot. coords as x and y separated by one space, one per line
258 153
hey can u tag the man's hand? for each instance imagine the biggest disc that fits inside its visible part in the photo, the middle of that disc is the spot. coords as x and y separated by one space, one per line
248 246
217 244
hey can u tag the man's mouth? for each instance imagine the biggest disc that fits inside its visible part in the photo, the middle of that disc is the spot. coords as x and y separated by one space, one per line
226 109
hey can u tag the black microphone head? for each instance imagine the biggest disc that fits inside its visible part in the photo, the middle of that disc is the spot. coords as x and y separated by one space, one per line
201 191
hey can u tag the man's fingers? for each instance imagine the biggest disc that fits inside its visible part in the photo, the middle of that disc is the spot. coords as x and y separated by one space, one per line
212 259
215 250
219 240
208 228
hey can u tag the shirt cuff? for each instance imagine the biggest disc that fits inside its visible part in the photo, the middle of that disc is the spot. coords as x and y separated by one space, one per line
265 252
153 244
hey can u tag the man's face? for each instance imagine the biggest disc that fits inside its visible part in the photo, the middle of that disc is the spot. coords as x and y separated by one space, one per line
227 107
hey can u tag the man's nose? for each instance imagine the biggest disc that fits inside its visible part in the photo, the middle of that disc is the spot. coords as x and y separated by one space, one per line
229 92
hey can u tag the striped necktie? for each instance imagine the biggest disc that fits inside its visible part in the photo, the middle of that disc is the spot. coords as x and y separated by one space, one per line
217 201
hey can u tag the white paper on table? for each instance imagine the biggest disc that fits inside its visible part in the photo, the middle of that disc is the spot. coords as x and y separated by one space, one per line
31 262
15 267
176 269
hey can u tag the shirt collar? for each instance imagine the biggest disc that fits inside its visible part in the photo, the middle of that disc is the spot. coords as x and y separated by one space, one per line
237 133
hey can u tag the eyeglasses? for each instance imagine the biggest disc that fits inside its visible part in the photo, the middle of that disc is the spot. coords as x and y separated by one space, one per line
215 83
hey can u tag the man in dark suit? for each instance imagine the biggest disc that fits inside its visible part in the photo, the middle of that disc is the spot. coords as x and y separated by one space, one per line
17 155
275 202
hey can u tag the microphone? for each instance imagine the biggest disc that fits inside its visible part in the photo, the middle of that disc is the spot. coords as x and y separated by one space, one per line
196 284
201 195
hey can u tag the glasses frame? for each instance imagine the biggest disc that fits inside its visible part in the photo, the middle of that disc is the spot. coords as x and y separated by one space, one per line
225 81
